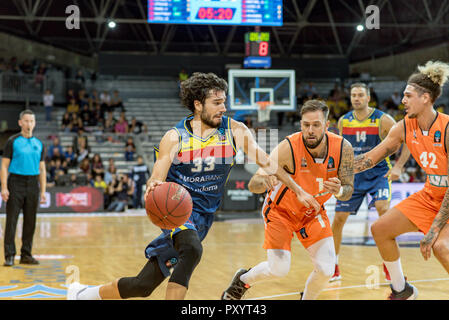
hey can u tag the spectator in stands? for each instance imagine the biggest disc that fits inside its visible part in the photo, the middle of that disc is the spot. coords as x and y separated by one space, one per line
116 102
48 100
310 89
123 191
97 166
374 100
55 145
100 183
122 125
183 75
82 154
85 165
80 140
105 101
73 107
85 115
80 77
65 122
140 174
70 156
94 100
396 98
40 74
26 67
70 95
97 114
57 155
130 149
112 170
83 98
135 126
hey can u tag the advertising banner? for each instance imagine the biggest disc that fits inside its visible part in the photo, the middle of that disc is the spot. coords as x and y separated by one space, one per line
67 199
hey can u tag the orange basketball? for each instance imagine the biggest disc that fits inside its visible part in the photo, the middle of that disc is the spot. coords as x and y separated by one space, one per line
169 205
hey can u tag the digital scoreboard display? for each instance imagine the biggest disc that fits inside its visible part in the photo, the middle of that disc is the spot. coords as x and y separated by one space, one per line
220 12
257 44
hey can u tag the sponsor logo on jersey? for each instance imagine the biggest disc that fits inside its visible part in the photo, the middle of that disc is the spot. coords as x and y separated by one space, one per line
437 136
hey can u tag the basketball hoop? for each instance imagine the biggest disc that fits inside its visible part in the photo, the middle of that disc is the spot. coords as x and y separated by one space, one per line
263 104
263 113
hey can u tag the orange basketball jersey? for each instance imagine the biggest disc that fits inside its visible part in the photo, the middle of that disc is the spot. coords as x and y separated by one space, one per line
309 173
429 150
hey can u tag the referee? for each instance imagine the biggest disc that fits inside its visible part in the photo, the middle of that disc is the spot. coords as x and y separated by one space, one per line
23 158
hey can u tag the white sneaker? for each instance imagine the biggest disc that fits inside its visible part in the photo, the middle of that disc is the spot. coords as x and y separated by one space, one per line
74 289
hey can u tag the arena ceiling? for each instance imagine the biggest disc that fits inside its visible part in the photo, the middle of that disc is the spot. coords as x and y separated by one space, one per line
311 28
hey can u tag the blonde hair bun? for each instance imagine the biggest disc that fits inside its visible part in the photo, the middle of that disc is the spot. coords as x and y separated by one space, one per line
437 71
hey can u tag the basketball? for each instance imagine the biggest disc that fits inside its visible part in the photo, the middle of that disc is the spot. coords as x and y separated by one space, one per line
169 205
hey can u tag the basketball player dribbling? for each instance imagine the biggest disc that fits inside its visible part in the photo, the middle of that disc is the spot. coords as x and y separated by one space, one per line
322 164
365 127
425 131
197 153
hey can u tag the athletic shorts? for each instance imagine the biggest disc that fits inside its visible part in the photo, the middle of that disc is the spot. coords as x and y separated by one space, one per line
379 189
200 222
420 208
281 225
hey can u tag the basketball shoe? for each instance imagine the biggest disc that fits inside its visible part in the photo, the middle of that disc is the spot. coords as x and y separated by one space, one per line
337 275
409 293
237 288
74 289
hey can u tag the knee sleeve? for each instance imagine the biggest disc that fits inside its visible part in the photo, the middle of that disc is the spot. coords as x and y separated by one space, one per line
278 262
190 250
144 283
322 254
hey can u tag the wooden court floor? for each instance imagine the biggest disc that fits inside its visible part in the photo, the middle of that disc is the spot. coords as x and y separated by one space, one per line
98 249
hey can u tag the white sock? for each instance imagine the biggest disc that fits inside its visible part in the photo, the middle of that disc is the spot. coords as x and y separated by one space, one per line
336 259
257 273
316 282
396 274
92 293
278 265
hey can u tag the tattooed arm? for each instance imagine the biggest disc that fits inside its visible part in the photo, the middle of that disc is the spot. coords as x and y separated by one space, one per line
387 147
346 172
439 222
343 186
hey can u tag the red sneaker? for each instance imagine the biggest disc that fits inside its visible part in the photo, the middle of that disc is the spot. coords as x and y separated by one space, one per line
336 275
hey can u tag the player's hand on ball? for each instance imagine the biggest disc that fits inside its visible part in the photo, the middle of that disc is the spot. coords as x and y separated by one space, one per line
332 185
151 185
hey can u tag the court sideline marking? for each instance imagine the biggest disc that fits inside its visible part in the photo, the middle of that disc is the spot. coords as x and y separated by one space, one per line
347 287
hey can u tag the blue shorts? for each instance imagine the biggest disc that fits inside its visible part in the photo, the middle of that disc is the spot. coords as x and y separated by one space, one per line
200 222
378 189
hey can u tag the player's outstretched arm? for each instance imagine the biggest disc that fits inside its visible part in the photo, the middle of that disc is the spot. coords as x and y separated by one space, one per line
261 181
245 140
384 149
168 148
343 186
440 219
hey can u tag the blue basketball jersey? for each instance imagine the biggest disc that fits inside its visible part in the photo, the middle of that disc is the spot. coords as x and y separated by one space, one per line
202 165
365 135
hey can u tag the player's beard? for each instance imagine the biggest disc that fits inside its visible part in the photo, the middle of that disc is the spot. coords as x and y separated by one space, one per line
209 120
314 145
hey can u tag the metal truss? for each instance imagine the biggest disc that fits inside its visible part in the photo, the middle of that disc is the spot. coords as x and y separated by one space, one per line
311 28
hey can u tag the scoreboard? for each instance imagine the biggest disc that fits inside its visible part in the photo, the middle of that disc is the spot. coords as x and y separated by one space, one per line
257 50
219 12
257 44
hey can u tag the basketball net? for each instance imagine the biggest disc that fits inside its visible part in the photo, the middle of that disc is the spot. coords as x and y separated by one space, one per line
263 112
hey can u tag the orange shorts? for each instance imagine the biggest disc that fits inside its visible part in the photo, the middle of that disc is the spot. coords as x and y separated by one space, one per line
281 225
420 208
